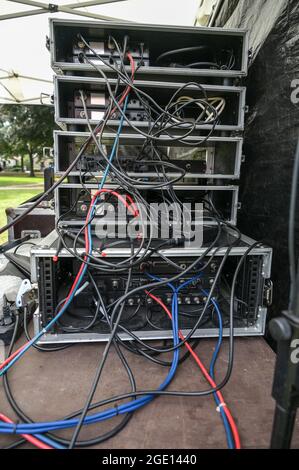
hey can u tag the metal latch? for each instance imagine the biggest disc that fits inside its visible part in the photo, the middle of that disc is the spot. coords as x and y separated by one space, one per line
24 295
31 233
268 292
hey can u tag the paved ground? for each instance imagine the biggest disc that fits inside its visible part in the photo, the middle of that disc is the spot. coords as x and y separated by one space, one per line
48 386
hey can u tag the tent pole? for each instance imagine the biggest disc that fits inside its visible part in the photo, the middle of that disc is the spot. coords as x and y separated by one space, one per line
53 8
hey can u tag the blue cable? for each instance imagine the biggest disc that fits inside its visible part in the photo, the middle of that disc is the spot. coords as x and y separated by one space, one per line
131 406
107 169
66 305
45 427
48 441
216 352
42 427
50 324
226 424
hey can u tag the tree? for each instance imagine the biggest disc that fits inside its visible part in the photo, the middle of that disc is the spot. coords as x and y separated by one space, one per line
25 130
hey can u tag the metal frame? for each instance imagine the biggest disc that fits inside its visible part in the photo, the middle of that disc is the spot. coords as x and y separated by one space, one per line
257 330
41 8
39 211
70 8
233 189
47 247
137 139
240 91
69 66
216 11
13 75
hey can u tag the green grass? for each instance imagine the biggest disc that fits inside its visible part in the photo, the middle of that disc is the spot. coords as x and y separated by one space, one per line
12 198
17 180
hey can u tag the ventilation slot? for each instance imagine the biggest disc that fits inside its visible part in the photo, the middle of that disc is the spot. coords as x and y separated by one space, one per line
249 290
47 299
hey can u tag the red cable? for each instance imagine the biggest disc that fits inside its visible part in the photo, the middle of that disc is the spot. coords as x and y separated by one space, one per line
128 88
133 204
129 207
4 418
123 200
3 364
132 207
33 440
135 213
41 445
206 375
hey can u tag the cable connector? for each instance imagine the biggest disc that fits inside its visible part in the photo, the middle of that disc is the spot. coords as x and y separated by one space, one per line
221 405
141 63
81 57
110 44
126 41
59 247
175 241
7 314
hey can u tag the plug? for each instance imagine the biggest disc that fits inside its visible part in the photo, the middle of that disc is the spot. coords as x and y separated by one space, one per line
110 44
7 314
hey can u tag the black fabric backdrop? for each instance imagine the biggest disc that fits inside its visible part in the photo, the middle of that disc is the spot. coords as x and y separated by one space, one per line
272 127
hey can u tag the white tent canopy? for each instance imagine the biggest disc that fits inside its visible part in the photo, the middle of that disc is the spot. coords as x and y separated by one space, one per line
25 73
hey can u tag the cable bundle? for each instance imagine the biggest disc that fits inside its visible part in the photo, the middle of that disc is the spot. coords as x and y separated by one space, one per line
164 123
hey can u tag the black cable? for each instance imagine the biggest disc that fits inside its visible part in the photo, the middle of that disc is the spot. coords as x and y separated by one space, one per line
163 119
174 393
54 186
48 192
22 244
37 346
82 443
178 276
103 262
10 349
15 444
292 222
178 122
74 163
95 381
250 248
181 393
202 64
111 340
182 50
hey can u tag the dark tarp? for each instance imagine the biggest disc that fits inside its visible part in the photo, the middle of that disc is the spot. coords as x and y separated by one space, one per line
258 16
272 127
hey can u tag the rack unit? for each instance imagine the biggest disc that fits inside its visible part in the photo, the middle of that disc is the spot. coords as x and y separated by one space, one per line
254 287
204 163
224 198
69 110
218 158
65 47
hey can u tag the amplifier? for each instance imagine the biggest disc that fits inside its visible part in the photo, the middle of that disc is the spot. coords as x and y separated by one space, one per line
217 158
229 100
108 52
72 201
141 315
174 51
